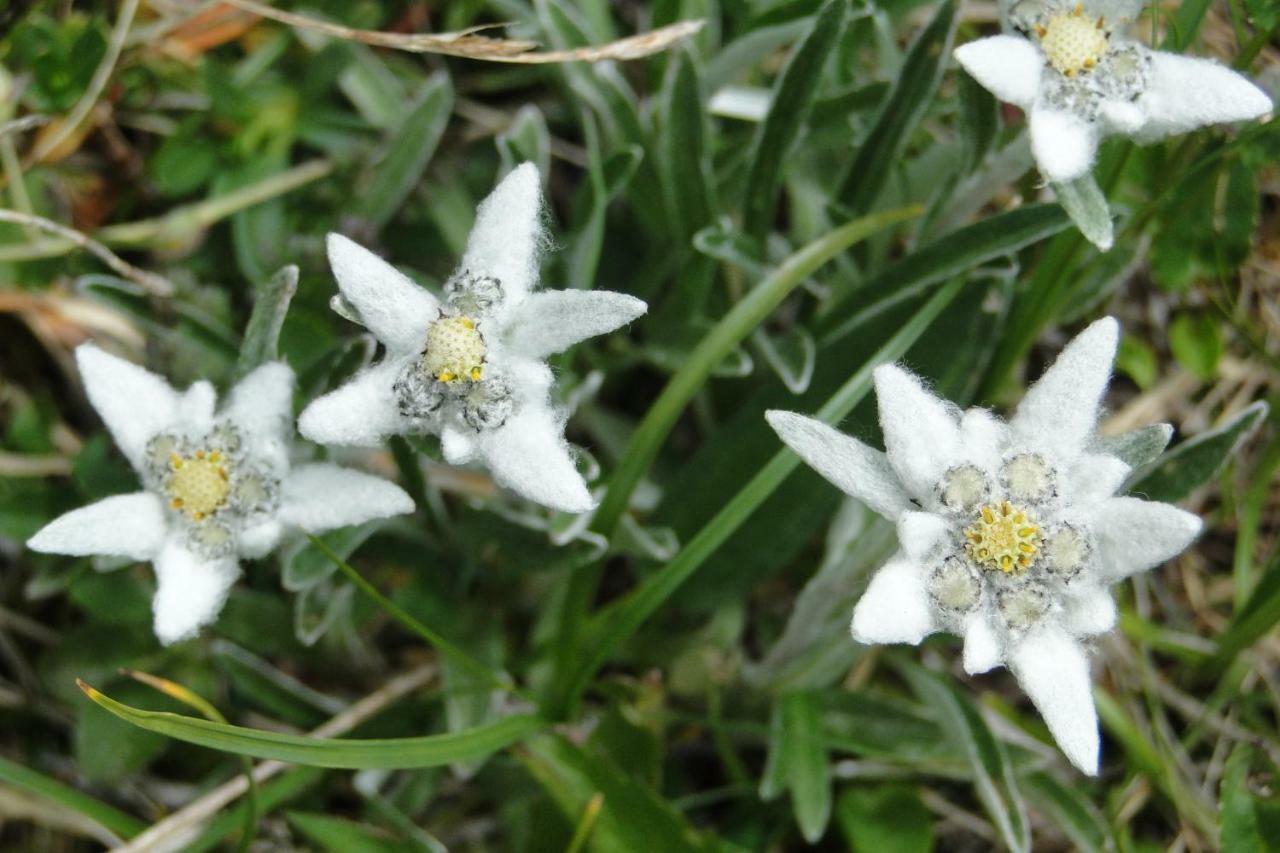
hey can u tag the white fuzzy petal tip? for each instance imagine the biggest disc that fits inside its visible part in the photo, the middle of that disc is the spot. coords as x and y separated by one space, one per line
362 412
895 608
1186 93
130 526
322 497
507 237
851 466
392 306
190 592
134 403
1060 412
1007 66
1054 671
529 456
554 320
921 432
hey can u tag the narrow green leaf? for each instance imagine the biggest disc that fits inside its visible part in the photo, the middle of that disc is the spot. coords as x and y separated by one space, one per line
1237 810
1256 618
1084 202
685 169
1193 463
992 770
979 120
808 771
1071 810
398 167
623 618
955 254
338 835
527 139
262 334
48 788
906 104
372 753
793 97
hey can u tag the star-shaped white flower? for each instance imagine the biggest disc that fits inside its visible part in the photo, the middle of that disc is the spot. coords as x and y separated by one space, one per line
1079 79
471 368
218 485
1010 533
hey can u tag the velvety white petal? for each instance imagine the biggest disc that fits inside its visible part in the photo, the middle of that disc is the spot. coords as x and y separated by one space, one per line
507 236
919 532
1134 535
921 433
363 412
261 404
554 320
459 445
1122 117
1114 11
259 540
190 590
895 608
1053 669
134 403
131 525
531 378
1095 477
1062 143
1186 92
1008 66
529 456
850 465
195 407
321 497
982 438
391 305
1090 612
981 645
1059 413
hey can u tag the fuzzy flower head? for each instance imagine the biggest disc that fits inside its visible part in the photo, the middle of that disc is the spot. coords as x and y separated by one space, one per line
471 367
1010 533
1080 79
218 486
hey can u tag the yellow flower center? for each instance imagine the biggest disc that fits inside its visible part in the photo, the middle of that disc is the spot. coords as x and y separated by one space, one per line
1004 537
455 350
1073 43
199 484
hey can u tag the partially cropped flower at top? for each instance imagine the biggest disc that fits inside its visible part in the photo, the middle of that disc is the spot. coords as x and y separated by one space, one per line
1009 533
1080 79
471 368
218 485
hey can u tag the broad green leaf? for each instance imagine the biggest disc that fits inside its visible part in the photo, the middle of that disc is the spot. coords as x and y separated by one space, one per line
399 167
988 760
807 768
1197 344
633 816
1084 202
1193 463
885 819
262 334
372 753
793 97
913 91
1137 358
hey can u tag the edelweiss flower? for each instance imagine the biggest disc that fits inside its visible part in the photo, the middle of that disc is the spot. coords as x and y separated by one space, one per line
218 486
1080 79
1010 533
471 368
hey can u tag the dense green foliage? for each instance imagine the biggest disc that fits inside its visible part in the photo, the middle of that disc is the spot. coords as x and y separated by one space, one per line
799 191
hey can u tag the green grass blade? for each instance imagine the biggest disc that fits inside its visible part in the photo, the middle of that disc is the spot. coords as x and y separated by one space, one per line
793 97
371 753
45 787
623 619
905 106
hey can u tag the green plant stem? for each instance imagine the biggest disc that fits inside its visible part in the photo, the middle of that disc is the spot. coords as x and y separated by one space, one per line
496 680
624 618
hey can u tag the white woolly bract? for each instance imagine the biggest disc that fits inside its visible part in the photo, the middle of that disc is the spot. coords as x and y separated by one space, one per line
1009 534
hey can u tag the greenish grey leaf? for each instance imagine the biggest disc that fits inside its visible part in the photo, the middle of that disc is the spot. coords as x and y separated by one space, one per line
1138 447
979 120
916 85
398 167
132 300
988 760
526 139
262 333
633 816
1193 463
1084 202
682 134
48 788
791 353
793 97
1071 810
371 753
808 770
885 819
1196 342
